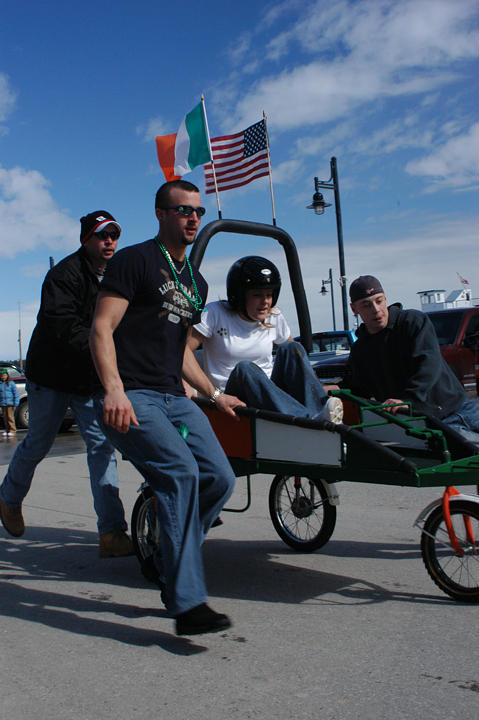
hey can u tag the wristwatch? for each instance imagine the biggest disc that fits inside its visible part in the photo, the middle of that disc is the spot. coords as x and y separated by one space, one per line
215 395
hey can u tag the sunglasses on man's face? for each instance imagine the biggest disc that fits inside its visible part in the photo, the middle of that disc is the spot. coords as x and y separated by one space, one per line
187 210
105 234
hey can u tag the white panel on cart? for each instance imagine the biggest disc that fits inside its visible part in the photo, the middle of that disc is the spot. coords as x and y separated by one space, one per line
275 441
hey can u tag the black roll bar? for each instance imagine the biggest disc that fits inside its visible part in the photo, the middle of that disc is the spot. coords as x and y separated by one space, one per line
245 227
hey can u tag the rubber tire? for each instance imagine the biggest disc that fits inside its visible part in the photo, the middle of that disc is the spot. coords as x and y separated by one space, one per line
21 415
142 534
441 572
298 532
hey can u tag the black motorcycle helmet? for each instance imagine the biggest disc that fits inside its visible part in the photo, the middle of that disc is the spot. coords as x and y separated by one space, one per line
251 273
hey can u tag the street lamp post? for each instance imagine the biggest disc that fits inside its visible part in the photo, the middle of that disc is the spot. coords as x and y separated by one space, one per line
318 206
323 292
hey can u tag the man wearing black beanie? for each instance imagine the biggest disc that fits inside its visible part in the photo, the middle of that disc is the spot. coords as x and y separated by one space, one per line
60 374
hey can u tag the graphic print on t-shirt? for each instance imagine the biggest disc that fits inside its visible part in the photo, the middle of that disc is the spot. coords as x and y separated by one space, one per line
175 305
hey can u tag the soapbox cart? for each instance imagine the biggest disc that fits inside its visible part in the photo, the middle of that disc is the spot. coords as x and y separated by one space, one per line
307 458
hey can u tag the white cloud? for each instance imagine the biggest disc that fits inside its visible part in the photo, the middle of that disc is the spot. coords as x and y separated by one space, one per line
394 136
37 270
410 33
7 97
11 322
7 101
155 126
240 48
286 171
28 215
454 163
427 257
380 49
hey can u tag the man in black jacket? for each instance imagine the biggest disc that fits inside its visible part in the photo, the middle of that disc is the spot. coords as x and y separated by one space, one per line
396 358
60 374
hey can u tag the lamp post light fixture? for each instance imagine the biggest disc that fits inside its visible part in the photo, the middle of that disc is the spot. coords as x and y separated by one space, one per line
318 205
324 292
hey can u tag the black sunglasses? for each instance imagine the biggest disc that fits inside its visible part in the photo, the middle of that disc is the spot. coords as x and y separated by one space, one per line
105 234
187 210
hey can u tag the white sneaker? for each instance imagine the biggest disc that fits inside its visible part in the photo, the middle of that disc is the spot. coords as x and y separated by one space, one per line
333 411
4 434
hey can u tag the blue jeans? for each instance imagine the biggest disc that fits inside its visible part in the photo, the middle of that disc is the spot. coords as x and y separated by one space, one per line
191 478
466 420
47 409
293 388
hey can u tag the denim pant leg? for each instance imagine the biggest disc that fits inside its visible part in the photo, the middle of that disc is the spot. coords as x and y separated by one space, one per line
102 466
251 384
216 477
466 420
292 372
162 456
46 408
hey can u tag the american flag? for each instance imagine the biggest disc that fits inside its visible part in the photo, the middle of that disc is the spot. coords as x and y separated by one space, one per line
463 280
238 158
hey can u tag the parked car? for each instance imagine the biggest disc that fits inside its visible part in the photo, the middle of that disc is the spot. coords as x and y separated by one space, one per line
330 370
21 413
332 341
457 332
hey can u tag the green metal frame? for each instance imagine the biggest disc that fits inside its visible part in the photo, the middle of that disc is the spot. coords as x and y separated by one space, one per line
432 465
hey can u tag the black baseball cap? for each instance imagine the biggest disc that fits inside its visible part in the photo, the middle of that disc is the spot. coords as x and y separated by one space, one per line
364 286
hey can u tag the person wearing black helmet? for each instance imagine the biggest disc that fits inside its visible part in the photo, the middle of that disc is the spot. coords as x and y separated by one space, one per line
237 337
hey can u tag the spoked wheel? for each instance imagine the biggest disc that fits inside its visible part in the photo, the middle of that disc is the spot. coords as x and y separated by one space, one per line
301 513
145 530
456 573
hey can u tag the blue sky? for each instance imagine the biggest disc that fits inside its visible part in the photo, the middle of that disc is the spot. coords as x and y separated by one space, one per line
389 88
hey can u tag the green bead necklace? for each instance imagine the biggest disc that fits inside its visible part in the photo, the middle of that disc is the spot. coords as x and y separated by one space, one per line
197 302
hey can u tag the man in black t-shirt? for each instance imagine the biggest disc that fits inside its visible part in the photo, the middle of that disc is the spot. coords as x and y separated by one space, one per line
150 297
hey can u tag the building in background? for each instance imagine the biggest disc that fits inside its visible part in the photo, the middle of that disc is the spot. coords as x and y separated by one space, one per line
432 300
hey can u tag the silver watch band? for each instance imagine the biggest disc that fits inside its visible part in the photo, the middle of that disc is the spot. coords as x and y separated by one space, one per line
215 395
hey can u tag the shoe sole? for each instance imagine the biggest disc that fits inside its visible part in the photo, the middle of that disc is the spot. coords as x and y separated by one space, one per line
203 629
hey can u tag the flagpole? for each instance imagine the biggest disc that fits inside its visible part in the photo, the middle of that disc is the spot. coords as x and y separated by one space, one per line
269 168
211 155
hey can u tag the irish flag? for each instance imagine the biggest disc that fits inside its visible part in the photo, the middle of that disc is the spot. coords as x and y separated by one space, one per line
179 153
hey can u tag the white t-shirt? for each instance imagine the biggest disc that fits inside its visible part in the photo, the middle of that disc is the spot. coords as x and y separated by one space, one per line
230 339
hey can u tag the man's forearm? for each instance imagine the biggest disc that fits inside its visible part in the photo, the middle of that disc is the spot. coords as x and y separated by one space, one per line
194 375
103 352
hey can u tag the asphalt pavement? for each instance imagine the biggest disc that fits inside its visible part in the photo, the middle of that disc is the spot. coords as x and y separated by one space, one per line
356 630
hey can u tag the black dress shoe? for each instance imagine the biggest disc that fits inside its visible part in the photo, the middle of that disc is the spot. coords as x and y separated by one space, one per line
201 619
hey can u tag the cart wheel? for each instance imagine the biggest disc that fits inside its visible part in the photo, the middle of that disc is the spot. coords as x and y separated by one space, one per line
456 575
145 530
301 513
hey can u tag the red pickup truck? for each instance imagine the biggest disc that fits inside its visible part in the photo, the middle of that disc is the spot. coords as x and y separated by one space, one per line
457 331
